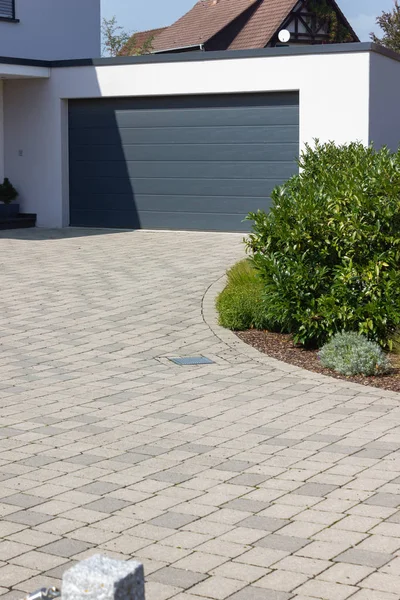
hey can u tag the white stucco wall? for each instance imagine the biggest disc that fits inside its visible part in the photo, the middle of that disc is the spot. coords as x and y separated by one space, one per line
52 30
384 102
334 105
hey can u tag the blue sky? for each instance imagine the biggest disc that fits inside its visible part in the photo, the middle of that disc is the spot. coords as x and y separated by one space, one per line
136 15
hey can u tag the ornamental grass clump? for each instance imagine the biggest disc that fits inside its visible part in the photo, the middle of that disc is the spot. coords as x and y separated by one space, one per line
328 252
240 305
353 354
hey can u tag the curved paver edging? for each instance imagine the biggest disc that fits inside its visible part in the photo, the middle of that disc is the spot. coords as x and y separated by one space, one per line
210 317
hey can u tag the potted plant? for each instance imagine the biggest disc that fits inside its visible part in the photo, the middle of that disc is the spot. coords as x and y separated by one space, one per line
8 193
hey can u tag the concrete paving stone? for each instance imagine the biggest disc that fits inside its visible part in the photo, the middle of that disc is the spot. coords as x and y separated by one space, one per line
186 539
13 595
107 505
59 571
84 515
7 528
364 557
361 524
262 557
159 591
217 587
65 548
162 553
172 520
326 590
254 593
10 549
235 466
373 453
177 577
201 562
131 458
301 529
170 477
315 489
392 567
248 479
372 595
322 550
12 575
29 517
379 543
281 542
381 582
116 524
241 572
222 548
98 488
60 526
125 544
196 448
33 537
382 499
283 581
85 459
36 583
35 560
348 574
300 564
263 523
247 505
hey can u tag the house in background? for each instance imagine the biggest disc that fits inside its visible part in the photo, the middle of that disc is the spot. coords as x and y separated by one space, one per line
246 24
184 141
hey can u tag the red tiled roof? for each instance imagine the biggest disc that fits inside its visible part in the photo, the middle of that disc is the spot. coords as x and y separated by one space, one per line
201 23
141 37
208 17
262 25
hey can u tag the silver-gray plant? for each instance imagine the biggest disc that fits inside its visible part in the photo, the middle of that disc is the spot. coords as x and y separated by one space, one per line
353 354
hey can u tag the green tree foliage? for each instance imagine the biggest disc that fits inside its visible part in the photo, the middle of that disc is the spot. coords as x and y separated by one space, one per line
389 22
119 42
329 250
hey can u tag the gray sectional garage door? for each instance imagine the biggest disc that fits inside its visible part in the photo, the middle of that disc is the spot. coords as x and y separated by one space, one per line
199 162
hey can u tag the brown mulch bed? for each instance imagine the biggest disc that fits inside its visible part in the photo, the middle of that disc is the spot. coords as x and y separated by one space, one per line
281 347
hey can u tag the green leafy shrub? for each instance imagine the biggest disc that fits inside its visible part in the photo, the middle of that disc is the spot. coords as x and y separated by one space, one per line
8 193
352 354
396 342
329 250
240 305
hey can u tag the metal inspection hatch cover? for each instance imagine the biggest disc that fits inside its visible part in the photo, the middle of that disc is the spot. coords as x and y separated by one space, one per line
192 360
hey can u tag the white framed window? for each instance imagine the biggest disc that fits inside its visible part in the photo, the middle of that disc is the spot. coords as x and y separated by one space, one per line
7 9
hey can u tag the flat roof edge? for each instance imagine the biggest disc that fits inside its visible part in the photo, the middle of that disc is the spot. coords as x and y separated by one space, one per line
25 62
231 54
356 47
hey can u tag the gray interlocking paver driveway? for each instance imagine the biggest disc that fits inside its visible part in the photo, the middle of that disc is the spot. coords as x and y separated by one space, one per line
237 480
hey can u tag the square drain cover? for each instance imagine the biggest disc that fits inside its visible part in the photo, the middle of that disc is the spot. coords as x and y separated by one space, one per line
192 360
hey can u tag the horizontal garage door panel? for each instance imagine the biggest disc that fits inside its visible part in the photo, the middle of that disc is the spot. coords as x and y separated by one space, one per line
177 152
179 163
177 187
110 136
169 169
164 220
184 118
153 203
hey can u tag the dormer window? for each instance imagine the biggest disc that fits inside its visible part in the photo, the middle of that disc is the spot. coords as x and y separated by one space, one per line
7 9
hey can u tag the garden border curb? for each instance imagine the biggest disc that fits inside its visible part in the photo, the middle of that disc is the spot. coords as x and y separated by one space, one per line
210 317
